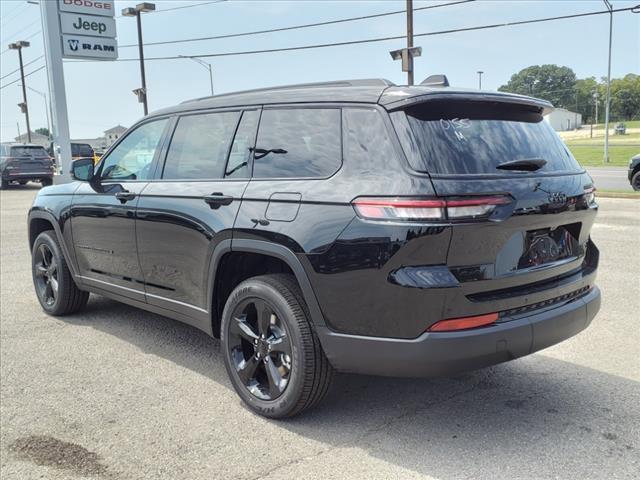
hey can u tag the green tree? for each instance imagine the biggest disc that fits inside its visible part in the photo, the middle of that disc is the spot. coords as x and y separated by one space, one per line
550 82
43 131
585 97
625 97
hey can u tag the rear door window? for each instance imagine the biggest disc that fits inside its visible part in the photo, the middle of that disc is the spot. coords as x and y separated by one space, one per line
238 163
199 146
475 137
298 143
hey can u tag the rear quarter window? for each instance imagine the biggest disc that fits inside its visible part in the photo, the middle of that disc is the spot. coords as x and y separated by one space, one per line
298 143
457 137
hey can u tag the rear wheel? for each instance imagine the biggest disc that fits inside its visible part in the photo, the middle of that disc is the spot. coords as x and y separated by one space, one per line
635 181
45 182
3 184
55 288
23 182
271 352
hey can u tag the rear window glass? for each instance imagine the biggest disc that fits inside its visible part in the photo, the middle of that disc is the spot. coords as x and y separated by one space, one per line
476 137
81 150
28 152
298 143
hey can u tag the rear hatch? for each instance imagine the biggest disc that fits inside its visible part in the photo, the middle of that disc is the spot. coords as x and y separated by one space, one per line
526 244
26 159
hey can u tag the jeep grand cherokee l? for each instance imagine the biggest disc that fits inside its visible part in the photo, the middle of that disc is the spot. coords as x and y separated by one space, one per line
22 162
351 226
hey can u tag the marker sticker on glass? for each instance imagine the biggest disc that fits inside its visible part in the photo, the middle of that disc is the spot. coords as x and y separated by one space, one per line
455 125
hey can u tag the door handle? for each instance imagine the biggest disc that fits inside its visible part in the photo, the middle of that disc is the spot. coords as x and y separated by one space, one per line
215 200
125 196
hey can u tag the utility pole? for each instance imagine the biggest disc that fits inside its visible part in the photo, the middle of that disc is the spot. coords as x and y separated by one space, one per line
608 104
25 108
137 12
410 40
576 119
480 72
407 54
595 99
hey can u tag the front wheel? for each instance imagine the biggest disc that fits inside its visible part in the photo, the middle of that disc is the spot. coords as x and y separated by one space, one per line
271 352
55 288
635 181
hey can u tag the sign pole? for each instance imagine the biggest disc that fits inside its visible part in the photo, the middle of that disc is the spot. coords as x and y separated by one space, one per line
57 93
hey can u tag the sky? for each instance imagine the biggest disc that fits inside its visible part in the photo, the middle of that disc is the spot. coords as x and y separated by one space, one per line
99 94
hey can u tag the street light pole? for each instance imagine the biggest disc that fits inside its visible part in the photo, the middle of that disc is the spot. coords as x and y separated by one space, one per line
19 46
46 107
607 106
205 65
480 72
137 12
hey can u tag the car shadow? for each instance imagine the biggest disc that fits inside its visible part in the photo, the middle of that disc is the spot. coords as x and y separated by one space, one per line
536 417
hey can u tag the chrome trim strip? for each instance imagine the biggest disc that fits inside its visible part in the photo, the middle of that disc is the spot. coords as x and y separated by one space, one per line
165 299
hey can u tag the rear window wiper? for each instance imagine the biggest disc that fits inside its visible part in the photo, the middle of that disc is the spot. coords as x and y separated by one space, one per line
525 165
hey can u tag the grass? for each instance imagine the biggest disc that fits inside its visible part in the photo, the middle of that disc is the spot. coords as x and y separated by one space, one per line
629 124
592 155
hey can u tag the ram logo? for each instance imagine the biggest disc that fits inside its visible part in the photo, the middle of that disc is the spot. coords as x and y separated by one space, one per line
73 45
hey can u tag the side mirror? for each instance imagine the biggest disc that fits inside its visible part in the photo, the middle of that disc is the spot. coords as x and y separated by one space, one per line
82 169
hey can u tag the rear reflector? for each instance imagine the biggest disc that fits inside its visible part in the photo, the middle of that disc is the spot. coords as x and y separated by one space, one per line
463 323
413 209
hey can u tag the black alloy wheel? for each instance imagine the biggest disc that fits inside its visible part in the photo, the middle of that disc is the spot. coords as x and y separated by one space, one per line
260 348
46 275
635 181
56 290
271 351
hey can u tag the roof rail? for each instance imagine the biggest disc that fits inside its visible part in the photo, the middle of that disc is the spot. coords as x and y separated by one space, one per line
366 82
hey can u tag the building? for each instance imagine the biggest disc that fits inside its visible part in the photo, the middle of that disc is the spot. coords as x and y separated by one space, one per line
36 138
113 134
562 120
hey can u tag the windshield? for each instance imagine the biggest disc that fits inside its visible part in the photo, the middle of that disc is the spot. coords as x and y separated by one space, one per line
81 150
476 137
28 152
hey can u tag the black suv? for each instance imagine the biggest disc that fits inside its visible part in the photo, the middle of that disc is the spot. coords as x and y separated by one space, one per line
22 162
350 226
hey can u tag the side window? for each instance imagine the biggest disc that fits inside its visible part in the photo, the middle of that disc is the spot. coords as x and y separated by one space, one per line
366 140
238 164
131 159
199 146
298 143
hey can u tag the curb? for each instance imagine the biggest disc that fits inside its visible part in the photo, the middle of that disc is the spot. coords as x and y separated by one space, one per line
630 195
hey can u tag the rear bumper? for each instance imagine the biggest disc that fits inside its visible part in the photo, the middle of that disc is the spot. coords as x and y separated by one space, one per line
436 354
11 176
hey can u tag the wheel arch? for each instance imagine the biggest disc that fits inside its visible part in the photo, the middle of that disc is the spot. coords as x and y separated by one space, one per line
40 221
280 254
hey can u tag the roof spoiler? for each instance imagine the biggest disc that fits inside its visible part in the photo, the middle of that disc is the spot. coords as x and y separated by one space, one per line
435 81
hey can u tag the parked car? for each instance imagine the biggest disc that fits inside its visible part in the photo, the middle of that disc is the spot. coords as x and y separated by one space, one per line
78 150
634 172
351 226
24 162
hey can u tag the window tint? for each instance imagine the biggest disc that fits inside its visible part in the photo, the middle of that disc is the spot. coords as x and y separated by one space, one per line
366 140
199 146
238 166
131 159
471 138
28 152
81 150
298 143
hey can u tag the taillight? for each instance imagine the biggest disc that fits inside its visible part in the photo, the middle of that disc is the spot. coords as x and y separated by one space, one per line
463 323
416 209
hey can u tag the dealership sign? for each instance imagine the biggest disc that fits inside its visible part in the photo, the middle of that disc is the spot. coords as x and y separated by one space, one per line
88 25
104 8
88 29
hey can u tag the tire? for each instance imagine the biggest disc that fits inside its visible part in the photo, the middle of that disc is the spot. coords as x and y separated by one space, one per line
23 182
635 181
46 182
47 264
307 372
4 184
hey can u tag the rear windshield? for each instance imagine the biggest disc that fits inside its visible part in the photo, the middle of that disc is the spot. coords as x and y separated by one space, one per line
475 137
28 152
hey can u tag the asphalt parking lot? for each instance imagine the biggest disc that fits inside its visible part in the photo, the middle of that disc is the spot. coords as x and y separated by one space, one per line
118 393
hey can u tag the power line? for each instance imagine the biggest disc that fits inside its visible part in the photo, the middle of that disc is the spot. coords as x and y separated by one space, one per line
17 69
294 27
375 40
26 75
183 6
